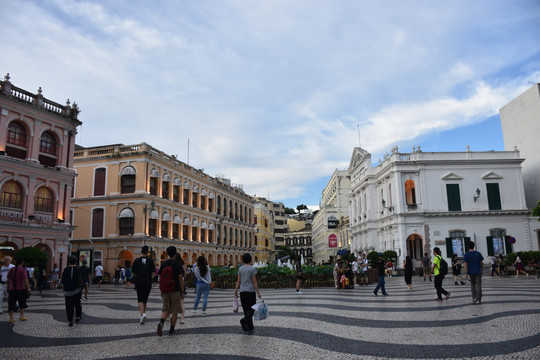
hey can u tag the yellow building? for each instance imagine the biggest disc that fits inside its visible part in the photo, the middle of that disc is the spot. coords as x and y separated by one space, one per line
264 237
130 196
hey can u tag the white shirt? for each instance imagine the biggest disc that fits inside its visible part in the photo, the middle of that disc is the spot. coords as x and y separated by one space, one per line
365 265
4 271
355 266
99 270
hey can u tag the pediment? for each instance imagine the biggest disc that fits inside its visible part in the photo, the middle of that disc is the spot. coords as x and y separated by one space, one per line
359 156
491 175
452 176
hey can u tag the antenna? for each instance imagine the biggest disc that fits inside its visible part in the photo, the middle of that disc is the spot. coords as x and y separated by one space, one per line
358 127
188 151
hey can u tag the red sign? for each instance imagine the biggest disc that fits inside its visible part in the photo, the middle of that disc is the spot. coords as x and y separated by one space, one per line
512 240
332 241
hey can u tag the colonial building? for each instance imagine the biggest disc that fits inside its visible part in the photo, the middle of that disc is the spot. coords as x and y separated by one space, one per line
334 205
129 196
37 139
299 239
264 233
279 220
412 202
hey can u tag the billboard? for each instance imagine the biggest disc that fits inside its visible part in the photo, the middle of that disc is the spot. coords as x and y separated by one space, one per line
332 241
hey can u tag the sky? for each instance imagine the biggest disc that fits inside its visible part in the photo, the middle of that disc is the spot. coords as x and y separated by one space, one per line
274 95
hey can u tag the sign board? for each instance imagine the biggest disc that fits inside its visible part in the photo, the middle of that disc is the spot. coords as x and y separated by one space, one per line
332 223
512 240
332 241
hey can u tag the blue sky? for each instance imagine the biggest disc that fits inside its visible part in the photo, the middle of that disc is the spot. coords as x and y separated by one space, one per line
270 93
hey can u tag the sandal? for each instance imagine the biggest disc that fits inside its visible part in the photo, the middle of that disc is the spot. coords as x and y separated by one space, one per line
12 321
23 319
438 299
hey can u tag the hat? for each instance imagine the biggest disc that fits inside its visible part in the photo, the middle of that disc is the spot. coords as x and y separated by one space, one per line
144 250
380 254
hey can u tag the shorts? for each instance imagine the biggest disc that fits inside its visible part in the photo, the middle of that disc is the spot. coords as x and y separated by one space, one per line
299 277
172 302
99 278
427 270
143 292
362 274
15 296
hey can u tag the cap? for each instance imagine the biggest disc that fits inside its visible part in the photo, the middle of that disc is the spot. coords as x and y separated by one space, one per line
380 254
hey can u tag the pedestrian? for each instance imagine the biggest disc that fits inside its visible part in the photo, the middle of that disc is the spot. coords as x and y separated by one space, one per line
520 268
299 275
170 283
494 267
381 268
408 266
122 275
456 270
117 275
437 259
183 290
129 276
30 271
502 268
55 276
18 289
364 270
73 285
426 266
41 280
202 279
389 268
143 269
474 267
336 274
537 269
99 274
85 273
3 279
246 283
355 271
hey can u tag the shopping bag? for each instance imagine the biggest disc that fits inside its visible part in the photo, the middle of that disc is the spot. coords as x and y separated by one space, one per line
235 305
261 311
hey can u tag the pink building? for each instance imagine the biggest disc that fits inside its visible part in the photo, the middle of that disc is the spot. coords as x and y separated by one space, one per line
37 141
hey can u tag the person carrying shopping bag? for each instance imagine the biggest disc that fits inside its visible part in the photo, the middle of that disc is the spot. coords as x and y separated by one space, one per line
247 284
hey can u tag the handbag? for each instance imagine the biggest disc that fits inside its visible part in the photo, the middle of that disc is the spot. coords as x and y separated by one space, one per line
235 305
212 285
261 311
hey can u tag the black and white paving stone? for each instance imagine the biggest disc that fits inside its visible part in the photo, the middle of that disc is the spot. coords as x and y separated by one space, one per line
322 323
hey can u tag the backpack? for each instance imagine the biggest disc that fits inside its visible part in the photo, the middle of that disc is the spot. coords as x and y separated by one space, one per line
166 279
443 267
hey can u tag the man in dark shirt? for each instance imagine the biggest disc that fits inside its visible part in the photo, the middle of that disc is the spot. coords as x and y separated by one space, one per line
172 303
381 266
143 268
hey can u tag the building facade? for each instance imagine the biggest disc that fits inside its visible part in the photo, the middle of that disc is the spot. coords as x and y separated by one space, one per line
264 233
412 202
279 220
520 120
299 239
334 205
129 196
37 140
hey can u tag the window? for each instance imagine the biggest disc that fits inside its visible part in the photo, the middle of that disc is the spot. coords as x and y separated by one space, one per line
47 144
195 199
152 227
255 240
210 204
128 184
194 233
99 182
16 137
12 195
457 243
43 200
186 197
176 193
266 242
410 192
218 203
97 222
495 242
494 196
165 189
453 197
153 186
126 221
164 229
176 231
185 232
203 202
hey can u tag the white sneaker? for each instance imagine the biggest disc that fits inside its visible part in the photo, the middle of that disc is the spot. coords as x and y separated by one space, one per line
298 293
204 312
193 311
143 319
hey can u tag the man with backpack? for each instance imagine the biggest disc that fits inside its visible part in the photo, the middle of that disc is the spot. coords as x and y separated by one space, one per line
440 269
170 284
473 261
143 268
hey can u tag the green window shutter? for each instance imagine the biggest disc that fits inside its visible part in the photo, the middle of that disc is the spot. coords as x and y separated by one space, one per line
494 196
453 197
467 241
449 248
509 247
489 241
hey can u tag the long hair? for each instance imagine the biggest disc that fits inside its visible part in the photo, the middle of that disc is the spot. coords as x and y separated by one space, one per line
201 264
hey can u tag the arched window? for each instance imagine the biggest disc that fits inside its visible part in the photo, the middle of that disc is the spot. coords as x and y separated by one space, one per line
47 149
126 221
43 200
99 182
410 192
127 180
16 140
97 222
218 203
12 195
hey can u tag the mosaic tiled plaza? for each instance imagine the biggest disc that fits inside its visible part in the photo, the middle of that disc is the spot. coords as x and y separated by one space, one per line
322 323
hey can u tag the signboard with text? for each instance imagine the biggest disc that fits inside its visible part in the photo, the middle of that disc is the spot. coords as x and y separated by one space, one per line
332 241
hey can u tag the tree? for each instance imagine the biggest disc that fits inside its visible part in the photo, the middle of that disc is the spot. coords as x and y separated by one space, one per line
289 211
536 211
33 256
285 251
301 207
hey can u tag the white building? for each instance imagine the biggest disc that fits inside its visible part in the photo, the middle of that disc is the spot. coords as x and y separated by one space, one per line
333 208
412 202
520 120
